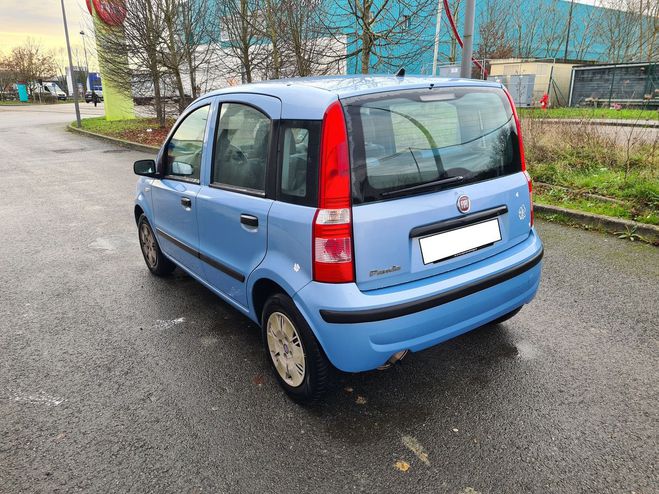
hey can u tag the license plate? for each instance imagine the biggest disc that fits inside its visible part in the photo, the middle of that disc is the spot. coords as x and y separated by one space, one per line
460 241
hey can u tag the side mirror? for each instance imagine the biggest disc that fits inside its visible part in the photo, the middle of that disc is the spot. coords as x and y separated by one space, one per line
145 168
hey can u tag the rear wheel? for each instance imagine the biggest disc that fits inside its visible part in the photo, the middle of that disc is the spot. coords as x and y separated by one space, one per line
295 356
155 260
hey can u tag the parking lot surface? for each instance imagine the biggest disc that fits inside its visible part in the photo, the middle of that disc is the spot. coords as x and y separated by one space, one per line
112 380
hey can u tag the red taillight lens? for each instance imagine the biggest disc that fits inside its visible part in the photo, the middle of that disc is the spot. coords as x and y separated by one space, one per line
522 158
332 226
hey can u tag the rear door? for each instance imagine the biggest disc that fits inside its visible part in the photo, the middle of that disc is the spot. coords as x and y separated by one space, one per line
426 163
174 196
233 207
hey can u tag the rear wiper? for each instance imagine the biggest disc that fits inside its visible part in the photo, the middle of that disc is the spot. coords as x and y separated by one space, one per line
427 185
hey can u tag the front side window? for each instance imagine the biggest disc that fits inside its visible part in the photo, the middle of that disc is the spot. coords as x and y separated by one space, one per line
241 147
185 148
402 140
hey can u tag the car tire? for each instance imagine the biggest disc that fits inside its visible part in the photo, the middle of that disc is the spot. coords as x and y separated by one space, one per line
505 317
155 260
293 352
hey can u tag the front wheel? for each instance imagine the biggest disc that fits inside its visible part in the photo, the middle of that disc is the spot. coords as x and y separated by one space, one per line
155 260
298 361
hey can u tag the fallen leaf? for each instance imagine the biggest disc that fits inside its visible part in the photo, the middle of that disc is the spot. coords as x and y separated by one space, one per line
360 400
348 389
258 379
415 447
402 466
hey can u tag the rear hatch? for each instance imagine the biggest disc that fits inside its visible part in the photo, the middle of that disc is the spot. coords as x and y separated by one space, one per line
437 181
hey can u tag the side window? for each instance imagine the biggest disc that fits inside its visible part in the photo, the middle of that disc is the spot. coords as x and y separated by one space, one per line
299 142
241 147
294 161
186 146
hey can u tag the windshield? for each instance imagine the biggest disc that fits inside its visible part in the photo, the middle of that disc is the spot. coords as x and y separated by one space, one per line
402 140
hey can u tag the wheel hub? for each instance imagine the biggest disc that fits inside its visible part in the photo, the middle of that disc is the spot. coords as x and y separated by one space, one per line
148 243
285 348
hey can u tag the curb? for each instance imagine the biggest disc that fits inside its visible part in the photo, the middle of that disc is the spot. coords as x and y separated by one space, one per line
650 233
648 124
120 142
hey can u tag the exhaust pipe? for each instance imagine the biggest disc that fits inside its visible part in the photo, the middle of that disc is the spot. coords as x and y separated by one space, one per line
396 357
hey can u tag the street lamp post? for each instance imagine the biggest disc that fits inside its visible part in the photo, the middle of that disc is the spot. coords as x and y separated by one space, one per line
74 83
468 40
84 48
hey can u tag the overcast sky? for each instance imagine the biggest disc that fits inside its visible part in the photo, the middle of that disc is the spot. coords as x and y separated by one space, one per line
41 20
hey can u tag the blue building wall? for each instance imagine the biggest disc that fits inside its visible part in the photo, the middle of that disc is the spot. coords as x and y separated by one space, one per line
581 33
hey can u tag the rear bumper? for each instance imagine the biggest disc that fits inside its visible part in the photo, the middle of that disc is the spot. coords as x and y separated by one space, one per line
360 330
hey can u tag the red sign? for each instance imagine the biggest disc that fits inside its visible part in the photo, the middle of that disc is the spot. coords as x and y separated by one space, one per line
111 12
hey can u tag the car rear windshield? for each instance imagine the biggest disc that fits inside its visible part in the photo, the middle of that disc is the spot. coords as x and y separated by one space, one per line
416 141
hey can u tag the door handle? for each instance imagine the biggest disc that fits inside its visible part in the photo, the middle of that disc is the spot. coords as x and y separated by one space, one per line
186 202
249 220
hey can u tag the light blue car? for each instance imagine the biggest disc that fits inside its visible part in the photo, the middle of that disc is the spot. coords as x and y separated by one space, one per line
355 219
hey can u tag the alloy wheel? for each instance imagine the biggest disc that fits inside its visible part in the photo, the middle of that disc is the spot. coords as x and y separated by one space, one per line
285 348
148 244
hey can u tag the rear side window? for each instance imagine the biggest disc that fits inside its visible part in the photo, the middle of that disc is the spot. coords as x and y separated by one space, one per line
299 148
404 139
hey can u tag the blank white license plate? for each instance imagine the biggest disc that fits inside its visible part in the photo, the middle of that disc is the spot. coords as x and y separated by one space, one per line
457 242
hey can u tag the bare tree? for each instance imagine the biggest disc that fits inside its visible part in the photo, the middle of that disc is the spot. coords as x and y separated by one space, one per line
526 21
242 36
189 42
30 61
628 29
492 31
7 75
382 35
313 52
553 31
583 34
296 41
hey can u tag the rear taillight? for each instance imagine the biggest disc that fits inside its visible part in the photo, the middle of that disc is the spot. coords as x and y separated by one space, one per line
522 158
332 226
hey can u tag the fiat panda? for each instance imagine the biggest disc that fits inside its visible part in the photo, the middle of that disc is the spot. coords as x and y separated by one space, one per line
354 219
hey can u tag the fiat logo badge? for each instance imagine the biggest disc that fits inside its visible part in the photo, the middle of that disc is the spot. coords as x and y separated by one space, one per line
464 204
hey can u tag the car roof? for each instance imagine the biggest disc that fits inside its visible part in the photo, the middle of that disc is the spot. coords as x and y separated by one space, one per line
309 97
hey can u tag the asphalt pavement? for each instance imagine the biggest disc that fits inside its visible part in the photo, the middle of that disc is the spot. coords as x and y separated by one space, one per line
112 380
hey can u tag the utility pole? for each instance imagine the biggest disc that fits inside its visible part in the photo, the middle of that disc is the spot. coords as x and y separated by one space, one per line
640 31
437 24
75 84
84 47
569 27
468 39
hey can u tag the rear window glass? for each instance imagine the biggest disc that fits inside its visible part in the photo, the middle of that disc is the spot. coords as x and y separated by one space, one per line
403 140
